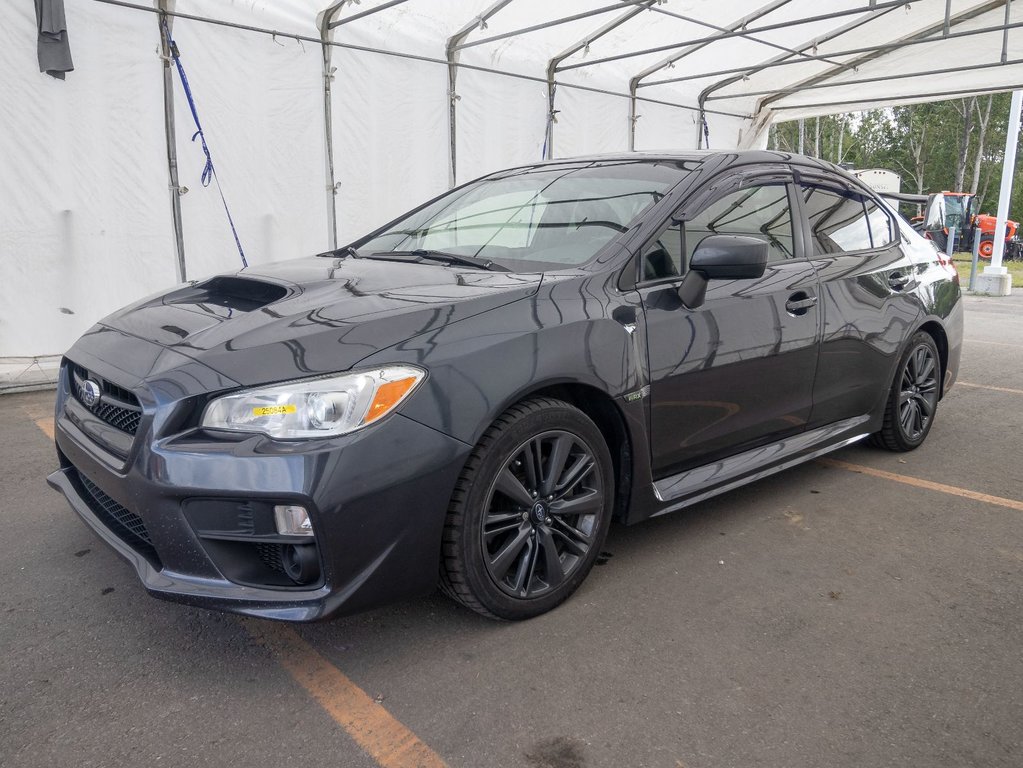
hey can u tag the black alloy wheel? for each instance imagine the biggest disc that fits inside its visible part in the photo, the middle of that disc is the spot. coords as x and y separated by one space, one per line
542 514
913 400
530 512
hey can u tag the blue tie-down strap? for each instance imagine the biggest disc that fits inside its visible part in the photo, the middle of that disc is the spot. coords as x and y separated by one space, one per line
209 173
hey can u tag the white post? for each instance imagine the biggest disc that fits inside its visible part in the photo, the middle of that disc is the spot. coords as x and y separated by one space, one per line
995 278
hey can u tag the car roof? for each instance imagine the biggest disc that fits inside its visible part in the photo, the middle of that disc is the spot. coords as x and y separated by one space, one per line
738 157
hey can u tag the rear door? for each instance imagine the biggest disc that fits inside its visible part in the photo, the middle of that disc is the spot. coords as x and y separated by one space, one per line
738 371
866 296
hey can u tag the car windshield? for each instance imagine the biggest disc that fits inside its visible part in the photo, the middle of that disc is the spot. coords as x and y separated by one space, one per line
547 217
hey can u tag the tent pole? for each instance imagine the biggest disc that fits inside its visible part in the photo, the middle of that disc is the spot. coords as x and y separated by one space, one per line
862 81
995 278
633 117
739 32
583 45
326 17
451 49
924 34
882 49
172 145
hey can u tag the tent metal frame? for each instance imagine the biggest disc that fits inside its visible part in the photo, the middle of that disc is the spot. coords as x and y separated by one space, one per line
330 20
742 32
923 36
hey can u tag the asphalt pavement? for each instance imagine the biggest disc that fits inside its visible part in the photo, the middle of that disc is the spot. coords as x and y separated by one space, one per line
866 611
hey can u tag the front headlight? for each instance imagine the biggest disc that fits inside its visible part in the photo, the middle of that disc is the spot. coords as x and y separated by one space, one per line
324 407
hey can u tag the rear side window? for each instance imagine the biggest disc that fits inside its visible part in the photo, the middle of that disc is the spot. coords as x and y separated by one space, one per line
880 224
838 220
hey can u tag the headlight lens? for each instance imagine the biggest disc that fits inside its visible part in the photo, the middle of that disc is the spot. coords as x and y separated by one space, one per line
323 407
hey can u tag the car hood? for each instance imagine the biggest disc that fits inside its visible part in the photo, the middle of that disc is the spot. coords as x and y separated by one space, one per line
314 315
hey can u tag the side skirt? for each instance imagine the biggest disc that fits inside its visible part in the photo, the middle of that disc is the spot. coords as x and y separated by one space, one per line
695 485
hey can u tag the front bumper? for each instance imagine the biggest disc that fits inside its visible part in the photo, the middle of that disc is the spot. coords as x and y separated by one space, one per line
377 499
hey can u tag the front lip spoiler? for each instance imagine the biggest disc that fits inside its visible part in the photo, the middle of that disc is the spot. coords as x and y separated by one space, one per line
292 606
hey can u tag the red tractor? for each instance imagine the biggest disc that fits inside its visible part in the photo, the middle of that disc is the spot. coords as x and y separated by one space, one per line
947 210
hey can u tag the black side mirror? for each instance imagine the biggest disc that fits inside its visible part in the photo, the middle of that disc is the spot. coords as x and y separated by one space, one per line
722 257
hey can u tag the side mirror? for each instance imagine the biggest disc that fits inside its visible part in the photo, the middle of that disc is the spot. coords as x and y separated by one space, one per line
722 257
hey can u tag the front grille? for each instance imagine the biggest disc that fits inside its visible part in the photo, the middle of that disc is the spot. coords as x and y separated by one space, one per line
122 521
116 406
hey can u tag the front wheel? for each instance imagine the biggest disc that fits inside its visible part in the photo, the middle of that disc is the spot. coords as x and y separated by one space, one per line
530 512
913 400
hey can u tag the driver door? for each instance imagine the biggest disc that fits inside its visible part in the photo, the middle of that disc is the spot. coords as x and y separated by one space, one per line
738 371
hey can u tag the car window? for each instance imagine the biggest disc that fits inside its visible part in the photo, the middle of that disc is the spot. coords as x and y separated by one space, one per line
760 211
510 220
528 219
838 220
664 257
880 224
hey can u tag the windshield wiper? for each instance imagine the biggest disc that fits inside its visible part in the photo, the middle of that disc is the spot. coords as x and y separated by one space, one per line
341 252
420 254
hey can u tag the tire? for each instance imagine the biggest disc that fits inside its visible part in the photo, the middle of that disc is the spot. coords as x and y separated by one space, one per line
517 543
913 400
987 246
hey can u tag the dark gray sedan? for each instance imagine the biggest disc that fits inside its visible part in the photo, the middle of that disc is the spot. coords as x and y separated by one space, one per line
472 392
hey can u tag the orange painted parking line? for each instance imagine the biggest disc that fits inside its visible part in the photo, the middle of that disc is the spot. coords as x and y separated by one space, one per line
46 425
373 728
993 389
928 484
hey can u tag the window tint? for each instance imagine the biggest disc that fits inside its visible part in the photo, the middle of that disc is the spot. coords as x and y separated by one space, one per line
761 212
663 257
838 220
880 224
548 217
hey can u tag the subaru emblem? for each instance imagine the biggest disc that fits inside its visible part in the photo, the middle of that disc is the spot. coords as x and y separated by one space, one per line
90 392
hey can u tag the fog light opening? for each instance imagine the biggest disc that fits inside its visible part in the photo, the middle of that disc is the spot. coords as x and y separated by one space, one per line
300 562
292 520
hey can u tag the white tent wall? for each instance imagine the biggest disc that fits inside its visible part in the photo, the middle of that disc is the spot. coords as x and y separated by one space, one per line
390 137
260 101
659 126
501 122
85 222
589 123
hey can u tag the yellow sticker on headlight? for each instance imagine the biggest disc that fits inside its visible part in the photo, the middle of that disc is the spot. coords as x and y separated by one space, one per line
274 410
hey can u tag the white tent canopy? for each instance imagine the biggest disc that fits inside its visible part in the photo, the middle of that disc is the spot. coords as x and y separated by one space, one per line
422 94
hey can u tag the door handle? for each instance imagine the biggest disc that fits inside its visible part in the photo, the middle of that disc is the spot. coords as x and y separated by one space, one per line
800 303
898 281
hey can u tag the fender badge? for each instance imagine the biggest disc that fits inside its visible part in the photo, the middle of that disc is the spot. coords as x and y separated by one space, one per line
639 394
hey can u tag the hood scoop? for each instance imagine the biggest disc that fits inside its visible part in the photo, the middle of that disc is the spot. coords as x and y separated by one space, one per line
234 294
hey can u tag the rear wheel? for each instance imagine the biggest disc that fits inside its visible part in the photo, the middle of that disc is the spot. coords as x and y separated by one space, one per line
913 400
530 512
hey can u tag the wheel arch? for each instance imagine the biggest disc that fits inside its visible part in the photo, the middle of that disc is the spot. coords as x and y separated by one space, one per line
602 409
937 332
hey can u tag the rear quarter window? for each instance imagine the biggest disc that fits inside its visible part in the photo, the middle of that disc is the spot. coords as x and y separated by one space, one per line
838 220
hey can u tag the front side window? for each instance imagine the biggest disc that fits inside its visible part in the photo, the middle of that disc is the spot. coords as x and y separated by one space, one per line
838 220
761 211
532 219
